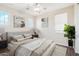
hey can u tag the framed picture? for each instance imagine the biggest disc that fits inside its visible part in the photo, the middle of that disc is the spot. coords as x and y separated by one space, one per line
44 22
19 22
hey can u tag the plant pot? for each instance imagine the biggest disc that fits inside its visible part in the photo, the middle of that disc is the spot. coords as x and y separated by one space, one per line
70 43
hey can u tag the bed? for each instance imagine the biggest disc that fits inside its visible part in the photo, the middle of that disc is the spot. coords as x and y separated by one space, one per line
24 45
32 47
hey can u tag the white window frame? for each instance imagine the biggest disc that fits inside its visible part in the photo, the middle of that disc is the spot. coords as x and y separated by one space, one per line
4 19
30 23
60 20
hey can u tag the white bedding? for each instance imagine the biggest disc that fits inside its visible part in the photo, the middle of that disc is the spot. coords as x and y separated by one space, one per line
36 48
14 45
27 49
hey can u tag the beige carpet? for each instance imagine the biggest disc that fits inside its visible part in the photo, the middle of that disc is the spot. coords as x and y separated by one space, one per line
59 51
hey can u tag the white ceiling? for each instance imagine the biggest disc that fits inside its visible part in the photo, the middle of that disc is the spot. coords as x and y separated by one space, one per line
49 7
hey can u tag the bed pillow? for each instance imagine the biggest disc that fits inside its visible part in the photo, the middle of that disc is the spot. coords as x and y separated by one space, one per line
27 36
17 38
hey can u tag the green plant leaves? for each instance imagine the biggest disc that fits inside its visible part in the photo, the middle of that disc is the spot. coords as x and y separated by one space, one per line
69 31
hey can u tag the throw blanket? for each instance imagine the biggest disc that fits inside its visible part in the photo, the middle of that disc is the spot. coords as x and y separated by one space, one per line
36 48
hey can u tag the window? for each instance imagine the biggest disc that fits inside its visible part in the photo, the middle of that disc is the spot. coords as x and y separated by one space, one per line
38 23
29 23
3 18
60 20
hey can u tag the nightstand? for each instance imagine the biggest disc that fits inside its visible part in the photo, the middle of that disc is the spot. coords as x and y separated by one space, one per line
3 44
4 52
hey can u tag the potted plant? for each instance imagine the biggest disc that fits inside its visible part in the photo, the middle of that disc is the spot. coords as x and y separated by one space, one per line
69 33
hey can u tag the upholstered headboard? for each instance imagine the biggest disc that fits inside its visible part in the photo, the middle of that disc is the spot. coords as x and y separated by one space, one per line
11 34
18 33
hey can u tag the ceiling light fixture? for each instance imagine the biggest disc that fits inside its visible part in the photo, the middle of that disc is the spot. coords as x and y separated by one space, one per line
36 8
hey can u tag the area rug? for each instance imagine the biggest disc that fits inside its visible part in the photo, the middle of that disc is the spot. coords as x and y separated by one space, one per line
59 51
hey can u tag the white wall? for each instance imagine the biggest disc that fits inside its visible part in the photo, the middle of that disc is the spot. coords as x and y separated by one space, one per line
12 12
50 32
77 28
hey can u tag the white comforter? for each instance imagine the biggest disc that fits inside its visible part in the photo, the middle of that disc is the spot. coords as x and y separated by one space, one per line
36 48
14 45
